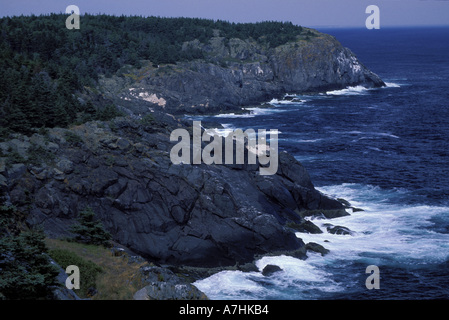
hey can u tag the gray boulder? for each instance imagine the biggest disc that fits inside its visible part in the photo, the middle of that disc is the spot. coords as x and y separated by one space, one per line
269 269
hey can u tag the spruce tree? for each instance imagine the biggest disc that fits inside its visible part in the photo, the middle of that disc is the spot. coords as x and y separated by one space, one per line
26 272
90 231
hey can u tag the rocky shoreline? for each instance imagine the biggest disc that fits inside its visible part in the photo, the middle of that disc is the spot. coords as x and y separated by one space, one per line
235 73
192 220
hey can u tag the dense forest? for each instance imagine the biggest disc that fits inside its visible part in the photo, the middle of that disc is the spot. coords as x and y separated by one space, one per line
43 65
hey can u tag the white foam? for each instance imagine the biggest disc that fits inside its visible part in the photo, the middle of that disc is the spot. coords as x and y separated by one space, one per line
385 134
384 228
253 112
230 284
277 101
392 85
357 90
356 132
308 141
349 91
234 115
260 111
297 275
385 233
305 158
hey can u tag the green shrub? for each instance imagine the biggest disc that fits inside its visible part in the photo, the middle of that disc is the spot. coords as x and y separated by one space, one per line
148 119
88 270
73 138
90 231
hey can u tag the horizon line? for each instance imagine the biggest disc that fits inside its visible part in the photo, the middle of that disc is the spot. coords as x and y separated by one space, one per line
385 26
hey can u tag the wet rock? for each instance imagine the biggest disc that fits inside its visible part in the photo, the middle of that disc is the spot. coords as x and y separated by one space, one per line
340 230
306 227
269 269
312 246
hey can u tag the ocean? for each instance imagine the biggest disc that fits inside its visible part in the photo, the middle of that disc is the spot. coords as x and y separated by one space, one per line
384 150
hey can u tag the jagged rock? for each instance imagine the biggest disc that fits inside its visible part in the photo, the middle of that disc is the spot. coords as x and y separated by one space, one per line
164 291
195 215
306 227
316 248
237 72
65 165
247 267
163 284
16 171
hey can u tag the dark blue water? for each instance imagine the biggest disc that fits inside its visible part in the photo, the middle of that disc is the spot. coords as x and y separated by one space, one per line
385 150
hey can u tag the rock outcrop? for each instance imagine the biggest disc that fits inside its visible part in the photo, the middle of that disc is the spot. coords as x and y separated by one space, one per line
238 73
194 215
163 284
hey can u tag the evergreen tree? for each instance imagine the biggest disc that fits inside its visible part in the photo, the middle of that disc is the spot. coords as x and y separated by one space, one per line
14 119
26 272
43 67
90 231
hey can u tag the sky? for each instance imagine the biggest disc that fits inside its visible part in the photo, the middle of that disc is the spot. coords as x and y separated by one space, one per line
309 13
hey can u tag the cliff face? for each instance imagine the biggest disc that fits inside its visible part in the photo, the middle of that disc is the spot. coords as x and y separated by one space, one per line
197 215
239 72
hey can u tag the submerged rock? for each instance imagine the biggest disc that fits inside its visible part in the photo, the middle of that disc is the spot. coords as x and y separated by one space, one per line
338 229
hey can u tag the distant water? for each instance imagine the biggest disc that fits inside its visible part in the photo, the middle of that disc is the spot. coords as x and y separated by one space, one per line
384 150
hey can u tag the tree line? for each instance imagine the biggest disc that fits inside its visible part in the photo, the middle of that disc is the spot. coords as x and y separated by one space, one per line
43 65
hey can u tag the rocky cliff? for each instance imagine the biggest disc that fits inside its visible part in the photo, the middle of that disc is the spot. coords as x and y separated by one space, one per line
195 215
237 73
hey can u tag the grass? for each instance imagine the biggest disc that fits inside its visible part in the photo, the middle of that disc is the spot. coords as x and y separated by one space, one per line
116 279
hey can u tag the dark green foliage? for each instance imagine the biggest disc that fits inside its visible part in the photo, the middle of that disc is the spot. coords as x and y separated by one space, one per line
7 217
38 154
148 119
88 269
43 65
14 157
90 231
25 269
73 139
108 113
